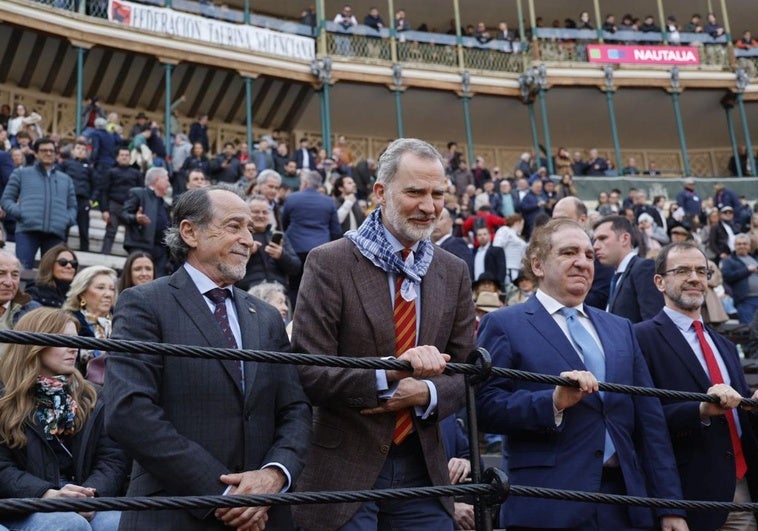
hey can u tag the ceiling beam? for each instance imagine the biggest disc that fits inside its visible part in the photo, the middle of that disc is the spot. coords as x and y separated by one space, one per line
32 62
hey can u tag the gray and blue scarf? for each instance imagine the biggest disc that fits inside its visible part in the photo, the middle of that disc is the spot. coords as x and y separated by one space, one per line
371 241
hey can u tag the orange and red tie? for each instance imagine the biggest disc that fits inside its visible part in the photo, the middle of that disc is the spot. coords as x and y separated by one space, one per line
405 338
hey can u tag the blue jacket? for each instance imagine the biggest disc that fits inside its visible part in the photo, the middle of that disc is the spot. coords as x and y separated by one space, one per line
40 202
737 275
703 453
570 456
636 296
310 219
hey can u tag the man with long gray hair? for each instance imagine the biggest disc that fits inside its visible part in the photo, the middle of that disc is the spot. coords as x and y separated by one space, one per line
206 427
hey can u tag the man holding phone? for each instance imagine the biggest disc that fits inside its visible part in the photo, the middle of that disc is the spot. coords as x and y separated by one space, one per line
271 258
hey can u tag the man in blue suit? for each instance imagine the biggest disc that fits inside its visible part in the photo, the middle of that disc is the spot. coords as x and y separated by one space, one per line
715 463
309 219
565 437
632 293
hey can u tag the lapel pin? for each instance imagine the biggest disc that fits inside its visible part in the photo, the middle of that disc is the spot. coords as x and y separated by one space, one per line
251 309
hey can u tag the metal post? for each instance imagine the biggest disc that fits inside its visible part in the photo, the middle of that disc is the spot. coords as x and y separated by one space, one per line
321 25
168 67
541 78
79 87
675 90
397 79
249 113
521 29
481 358
742 82
609 89
727 25
458 36
662 17
466 95
246 12
393 31
598 21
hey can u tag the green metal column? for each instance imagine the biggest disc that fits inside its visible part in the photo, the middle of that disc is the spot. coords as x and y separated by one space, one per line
674 91
609 89
742 82
733 139
397 88
466 96
249 113
168 67
246 12
541 78
327 119
80 51
167 3
533 123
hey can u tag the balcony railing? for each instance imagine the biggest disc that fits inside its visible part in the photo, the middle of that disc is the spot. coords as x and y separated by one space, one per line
425 50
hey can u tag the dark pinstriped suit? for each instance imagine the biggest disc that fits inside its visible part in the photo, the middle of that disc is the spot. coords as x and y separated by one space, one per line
186 421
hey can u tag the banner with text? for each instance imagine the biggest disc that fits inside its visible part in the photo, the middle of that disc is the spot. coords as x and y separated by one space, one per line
650 55
218 32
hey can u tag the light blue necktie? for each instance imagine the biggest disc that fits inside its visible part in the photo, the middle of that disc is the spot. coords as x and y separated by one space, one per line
593 360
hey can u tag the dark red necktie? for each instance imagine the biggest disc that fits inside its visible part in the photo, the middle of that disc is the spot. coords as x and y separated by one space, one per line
717 378
218 296
405 338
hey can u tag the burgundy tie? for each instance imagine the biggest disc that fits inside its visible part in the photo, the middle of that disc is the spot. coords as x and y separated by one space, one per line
717 378
405 338
218 296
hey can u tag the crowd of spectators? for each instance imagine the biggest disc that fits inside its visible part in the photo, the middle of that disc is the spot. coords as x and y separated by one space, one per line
484 32
302 198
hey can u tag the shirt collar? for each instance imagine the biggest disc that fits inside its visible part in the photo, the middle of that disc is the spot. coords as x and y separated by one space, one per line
681 321
625 262
202 282
553 306
395 243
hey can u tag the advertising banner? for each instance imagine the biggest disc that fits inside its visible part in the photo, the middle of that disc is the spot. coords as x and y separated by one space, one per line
212 31
649 55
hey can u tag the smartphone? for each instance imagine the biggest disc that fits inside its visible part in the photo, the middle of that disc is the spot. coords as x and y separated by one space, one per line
276 237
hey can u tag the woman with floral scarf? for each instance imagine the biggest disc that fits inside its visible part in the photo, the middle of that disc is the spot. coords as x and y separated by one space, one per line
52 440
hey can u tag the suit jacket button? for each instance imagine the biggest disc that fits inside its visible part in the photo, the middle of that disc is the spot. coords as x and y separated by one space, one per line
384 449
599 453
729 454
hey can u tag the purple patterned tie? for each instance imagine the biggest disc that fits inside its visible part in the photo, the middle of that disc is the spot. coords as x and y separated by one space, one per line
218 296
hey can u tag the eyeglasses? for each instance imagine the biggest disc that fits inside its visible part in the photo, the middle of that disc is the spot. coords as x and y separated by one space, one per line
63 263
46 150
686 272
